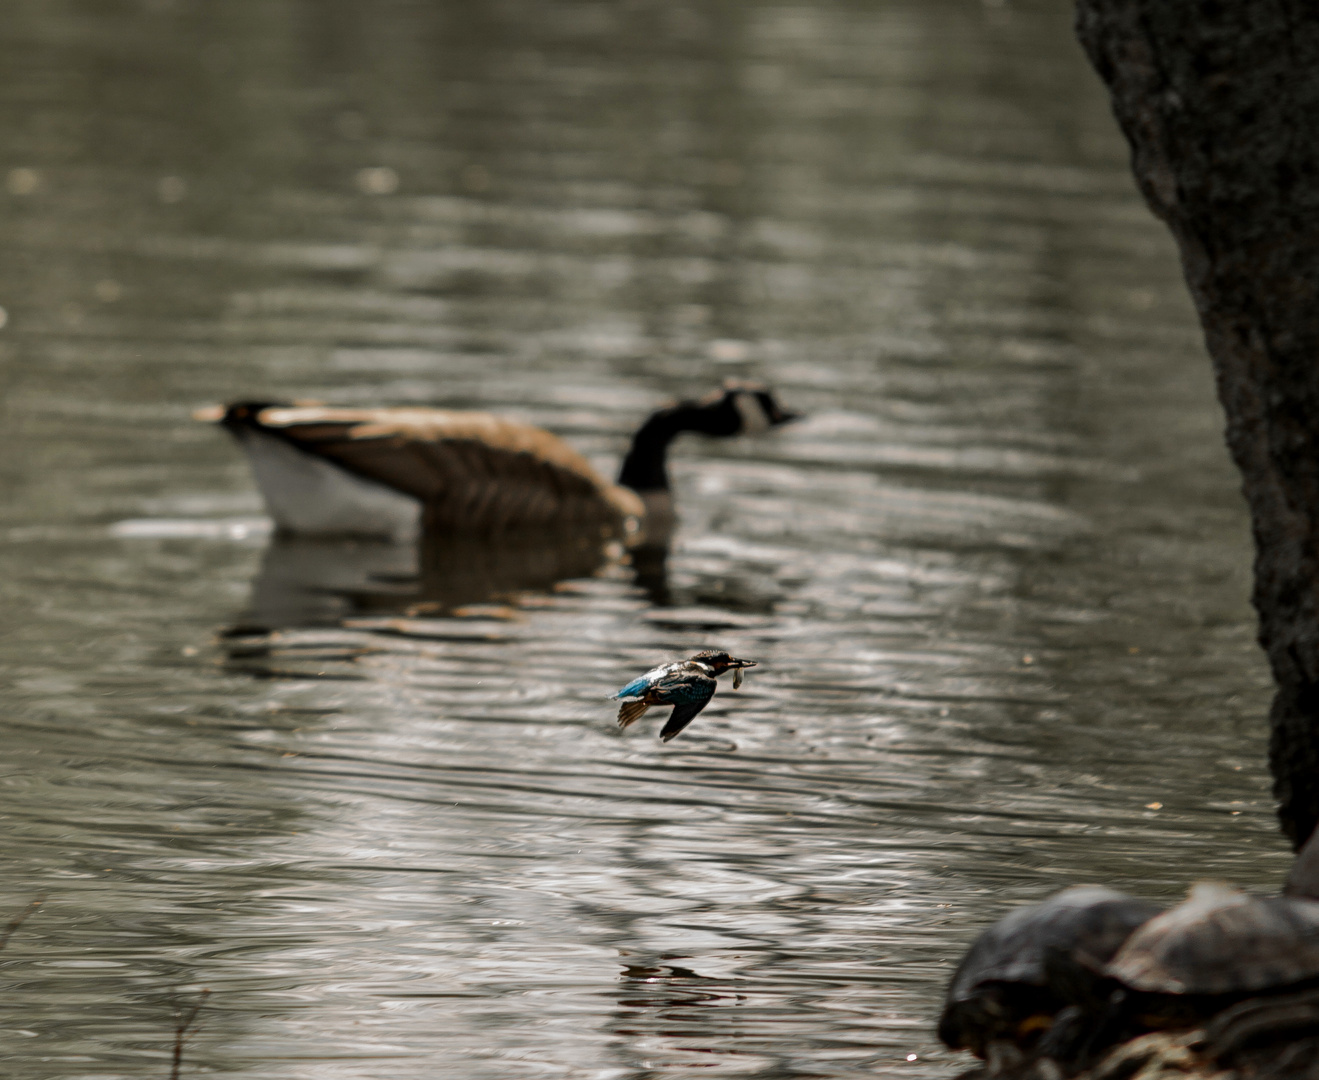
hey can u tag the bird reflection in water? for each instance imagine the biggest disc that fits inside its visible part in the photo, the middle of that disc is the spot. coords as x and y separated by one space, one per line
650 565
311 582
315 585
662 1000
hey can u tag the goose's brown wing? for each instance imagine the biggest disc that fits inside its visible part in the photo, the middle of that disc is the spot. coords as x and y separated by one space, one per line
470 470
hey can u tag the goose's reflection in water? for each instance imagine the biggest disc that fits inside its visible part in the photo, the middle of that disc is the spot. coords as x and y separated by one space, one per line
307 582
650 565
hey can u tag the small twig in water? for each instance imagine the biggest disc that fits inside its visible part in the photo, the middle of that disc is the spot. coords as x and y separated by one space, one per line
8 931
182 1023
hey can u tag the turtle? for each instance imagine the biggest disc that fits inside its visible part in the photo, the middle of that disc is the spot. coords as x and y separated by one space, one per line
1259 1031
1003 990
1220 946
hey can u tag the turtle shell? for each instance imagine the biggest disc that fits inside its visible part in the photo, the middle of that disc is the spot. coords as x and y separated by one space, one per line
1221 940
1002 982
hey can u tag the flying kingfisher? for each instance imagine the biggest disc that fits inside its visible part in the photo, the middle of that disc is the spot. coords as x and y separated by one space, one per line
687 685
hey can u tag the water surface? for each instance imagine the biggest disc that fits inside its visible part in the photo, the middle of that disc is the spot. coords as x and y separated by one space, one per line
996 581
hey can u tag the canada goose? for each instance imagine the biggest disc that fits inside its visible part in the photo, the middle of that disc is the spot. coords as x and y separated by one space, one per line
392 472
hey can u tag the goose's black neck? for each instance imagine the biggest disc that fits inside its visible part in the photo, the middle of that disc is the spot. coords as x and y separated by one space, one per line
644 467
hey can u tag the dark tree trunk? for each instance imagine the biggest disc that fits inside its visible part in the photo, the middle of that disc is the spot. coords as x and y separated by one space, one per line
1220 102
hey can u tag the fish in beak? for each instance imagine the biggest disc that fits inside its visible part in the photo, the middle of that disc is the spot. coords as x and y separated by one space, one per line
741 665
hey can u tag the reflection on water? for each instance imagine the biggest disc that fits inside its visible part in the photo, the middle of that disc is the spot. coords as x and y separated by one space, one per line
315 582
996 581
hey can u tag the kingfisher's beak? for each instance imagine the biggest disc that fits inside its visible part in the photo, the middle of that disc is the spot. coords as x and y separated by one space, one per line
778 417
209 414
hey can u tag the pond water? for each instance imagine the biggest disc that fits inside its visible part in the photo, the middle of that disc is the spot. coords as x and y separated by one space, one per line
996 580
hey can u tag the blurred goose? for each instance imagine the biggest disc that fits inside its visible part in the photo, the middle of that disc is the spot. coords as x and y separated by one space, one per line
392 472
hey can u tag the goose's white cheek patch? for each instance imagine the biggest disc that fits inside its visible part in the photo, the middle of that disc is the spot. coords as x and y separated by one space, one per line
754 420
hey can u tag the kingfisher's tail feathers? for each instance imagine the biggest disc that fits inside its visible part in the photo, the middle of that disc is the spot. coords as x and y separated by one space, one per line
631 711
635 688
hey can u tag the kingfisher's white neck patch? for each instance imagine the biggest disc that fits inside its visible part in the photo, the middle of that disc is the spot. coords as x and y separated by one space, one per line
754 419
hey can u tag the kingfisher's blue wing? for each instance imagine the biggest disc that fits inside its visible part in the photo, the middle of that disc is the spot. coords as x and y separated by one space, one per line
642 683
681 716
689 693
635 688
682 687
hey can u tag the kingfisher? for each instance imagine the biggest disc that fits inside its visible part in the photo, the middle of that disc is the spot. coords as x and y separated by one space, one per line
687 685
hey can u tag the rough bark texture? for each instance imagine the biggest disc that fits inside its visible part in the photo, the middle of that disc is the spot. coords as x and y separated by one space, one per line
1220 102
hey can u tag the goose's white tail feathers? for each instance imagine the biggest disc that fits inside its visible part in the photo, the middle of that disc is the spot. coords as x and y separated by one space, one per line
310 496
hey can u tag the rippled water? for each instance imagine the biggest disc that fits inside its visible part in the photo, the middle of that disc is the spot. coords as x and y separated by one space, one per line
996 581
